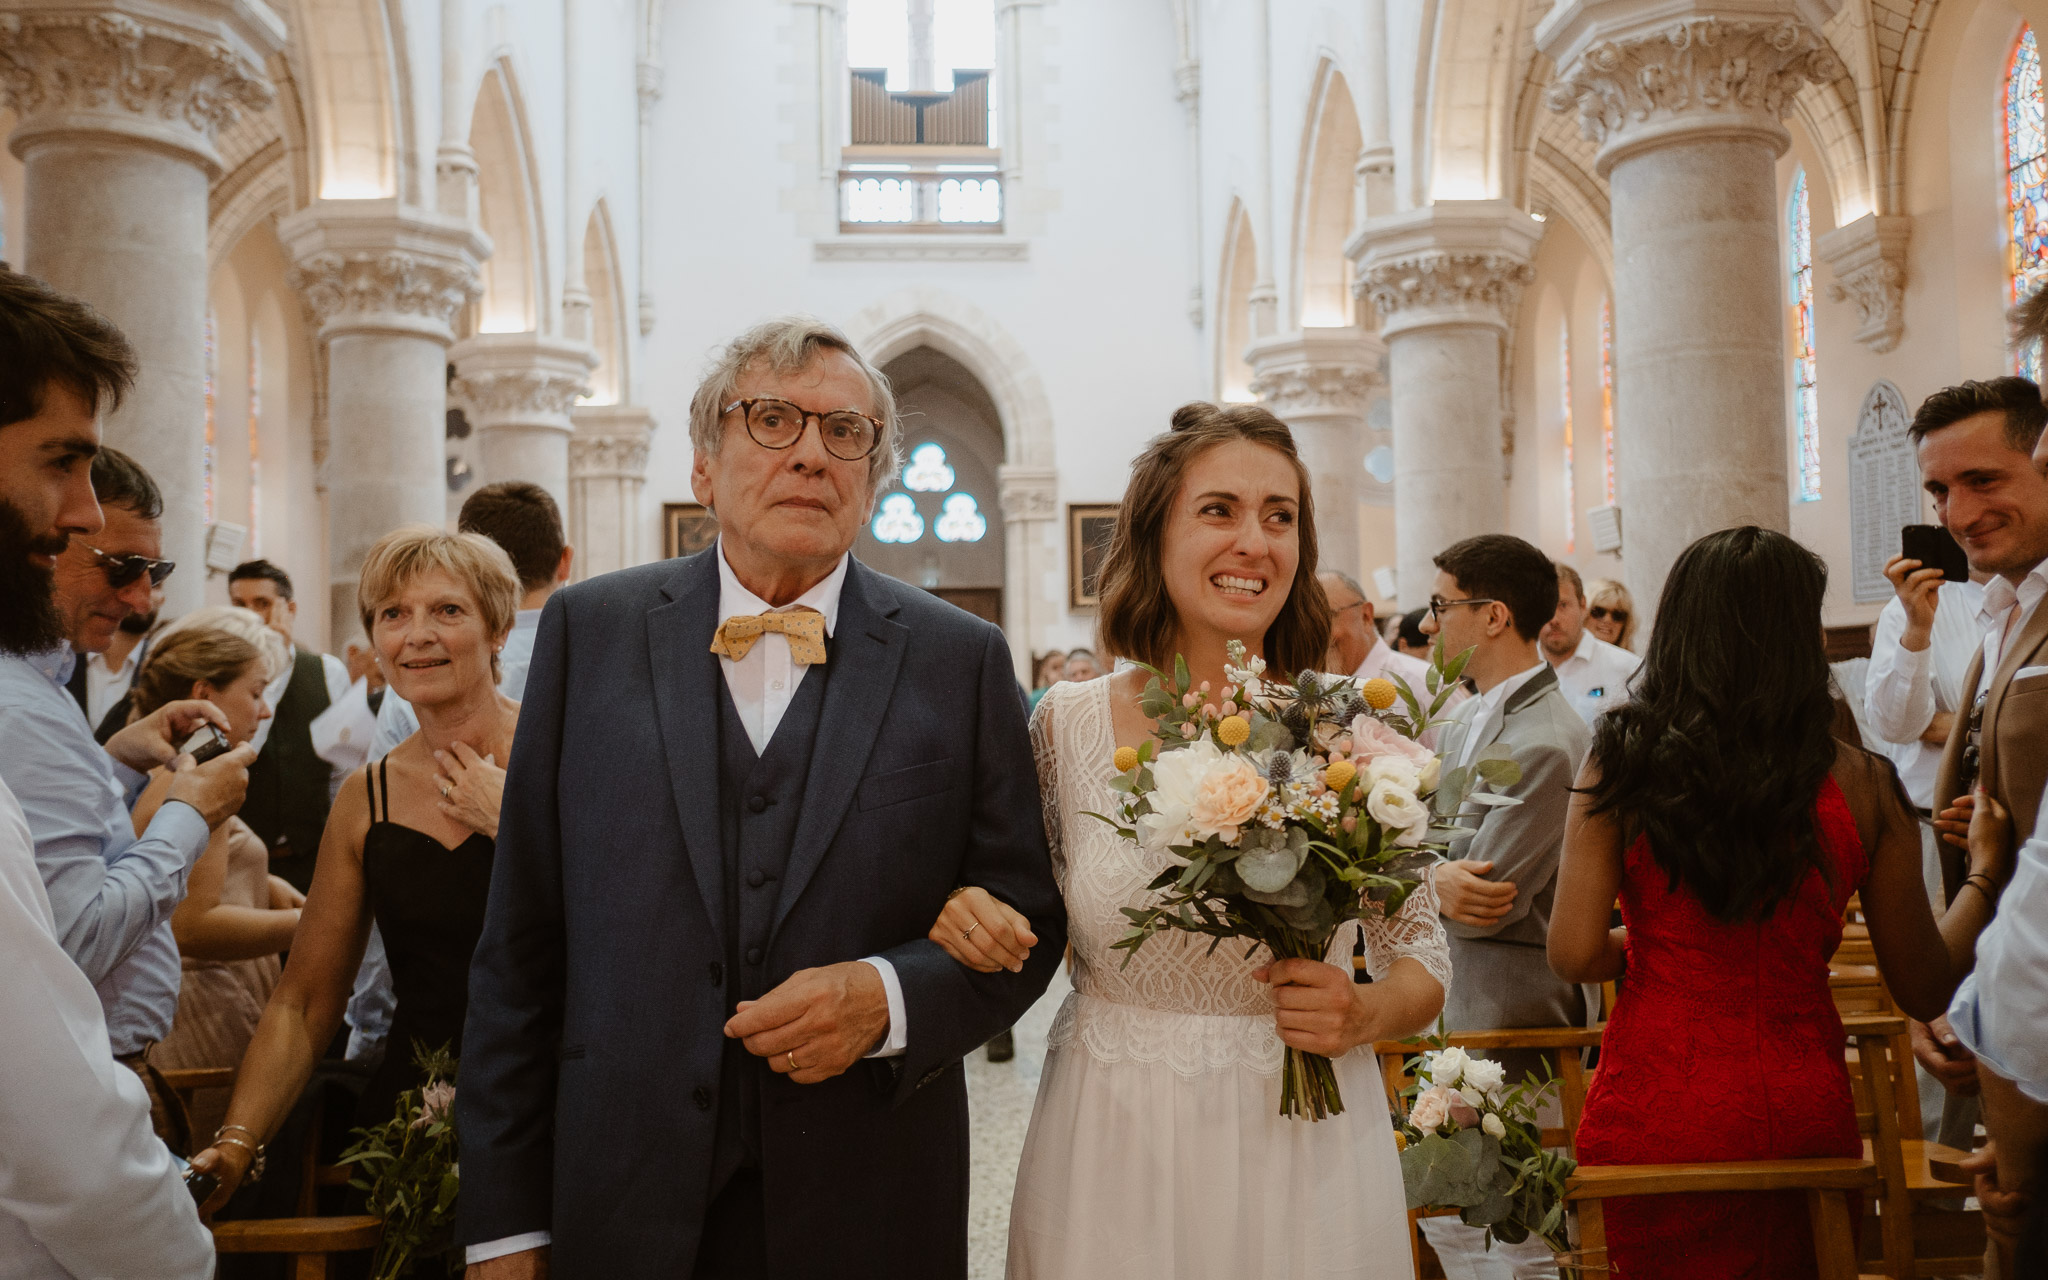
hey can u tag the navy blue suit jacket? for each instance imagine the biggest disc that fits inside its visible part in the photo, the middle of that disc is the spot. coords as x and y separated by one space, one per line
591 1057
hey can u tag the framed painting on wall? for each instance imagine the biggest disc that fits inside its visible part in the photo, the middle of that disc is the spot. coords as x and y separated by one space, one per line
686 529
1089 526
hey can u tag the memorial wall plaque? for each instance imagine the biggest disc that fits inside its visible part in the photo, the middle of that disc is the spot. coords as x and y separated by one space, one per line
1884 489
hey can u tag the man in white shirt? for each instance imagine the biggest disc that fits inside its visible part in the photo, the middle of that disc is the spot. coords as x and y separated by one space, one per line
1356 648
86 1189
1493 596
1593 673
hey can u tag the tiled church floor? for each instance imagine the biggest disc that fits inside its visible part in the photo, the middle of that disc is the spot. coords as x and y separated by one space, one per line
999 1099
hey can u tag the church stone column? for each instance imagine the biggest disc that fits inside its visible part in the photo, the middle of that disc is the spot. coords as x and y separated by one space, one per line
118 108
1317 381
607 471
1447 281
1032 593
520 388
383 283
1685 100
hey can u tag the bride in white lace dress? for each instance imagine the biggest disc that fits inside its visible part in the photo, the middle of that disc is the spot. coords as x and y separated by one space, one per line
1157 1148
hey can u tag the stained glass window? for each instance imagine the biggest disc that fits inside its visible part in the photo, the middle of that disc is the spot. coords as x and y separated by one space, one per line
1799 222
960 520
255 543
2026 184
1564 400
1607 398
898 520
928 472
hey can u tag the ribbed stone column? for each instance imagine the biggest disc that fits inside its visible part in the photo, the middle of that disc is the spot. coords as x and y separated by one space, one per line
1446 281
519 388
1685 100
383 283
607 471
1317 382
119 105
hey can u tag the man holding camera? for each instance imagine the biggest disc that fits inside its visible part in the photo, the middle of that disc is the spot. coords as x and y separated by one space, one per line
111 892
86 1189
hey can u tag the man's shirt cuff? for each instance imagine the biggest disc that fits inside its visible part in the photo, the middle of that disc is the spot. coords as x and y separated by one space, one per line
898 1040
181 827
484 1252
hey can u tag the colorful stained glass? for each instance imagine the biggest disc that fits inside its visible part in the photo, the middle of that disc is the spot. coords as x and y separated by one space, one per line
2026 184
1564 400
1805 379
1607 397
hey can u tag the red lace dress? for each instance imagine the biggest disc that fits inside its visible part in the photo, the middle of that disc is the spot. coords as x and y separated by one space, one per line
1724 1045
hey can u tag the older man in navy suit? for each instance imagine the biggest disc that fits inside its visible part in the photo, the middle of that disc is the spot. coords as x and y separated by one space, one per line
707 1033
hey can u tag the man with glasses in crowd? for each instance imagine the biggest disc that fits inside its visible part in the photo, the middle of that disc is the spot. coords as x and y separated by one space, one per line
111 892
1494 594
1356 648
86 1189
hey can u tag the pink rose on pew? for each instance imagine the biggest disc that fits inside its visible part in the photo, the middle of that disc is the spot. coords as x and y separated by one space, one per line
437 1103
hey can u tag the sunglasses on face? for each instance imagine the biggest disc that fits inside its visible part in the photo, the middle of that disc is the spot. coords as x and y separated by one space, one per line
122 570
1601 613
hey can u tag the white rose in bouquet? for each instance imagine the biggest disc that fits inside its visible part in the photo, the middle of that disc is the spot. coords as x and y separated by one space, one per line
1396 808
1199 792
1432 1107
1447 1067
1493 1127
1485 1075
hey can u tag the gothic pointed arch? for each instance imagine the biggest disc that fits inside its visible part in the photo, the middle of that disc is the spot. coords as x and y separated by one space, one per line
1234 305
611 382
1325 187
354 94
515 276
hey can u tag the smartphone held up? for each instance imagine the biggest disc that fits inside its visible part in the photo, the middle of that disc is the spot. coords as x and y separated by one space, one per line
1935 548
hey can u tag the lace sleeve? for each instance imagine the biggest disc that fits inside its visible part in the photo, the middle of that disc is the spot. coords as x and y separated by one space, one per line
1415 930
1047 756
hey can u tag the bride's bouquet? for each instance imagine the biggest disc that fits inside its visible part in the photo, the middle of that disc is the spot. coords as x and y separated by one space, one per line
1291 810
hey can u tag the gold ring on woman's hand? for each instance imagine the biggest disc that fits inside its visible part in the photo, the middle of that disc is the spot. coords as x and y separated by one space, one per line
444 793
791 1055
970 930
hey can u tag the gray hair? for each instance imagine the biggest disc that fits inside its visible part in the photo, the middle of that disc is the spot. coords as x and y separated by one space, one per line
785 346
1350 584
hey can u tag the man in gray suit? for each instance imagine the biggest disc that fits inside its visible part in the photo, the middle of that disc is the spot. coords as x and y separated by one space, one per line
1493 594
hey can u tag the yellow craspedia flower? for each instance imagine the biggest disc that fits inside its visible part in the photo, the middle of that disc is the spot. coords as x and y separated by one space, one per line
1232 731
1339 774
1126 759
1400 1140
1379 693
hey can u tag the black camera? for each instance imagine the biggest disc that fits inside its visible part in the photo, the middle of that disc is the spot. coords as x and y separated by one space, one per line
205 744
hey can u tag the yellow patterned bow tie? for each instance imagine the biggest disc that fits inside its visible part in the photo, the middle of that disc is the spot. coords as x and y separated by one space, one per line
805 629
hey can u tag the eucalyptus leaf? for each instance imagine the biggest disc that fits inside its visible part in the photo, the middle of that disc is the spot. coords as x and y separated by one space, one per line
1493 799
1268 870
1439 1171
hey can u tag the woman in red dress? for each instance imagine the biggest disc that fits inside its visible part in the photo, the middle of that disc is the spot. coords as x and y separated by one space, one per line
1734 828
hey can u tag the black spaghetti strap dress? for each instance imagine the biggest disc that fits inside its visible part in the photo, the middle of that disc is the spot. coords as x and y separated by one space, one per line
428 900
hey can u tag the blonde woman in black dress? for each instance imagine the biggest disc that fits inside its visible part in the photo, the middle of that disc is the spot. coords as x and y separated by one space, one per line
409 842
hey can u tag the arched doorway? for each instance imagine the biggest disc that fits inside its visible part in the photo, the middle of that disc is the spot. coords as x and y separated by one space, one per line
938 525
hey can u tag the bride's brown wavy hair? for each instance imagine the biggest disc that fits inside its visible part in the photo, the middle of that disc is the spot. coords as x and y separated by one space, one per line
1138 619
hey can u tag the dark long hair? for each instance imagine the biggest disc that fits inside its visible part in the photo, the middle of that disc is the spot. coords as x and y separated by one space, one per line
1138 619
1724 742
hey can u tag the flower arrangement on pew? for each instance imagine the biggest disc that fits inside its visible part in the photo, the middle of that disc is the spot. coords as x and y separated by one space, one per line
1292 810
1472 1143
408 1166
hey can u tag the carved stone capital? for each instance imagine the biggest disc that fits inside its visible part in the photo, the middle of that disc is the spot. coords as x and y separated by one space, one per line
1316 373
1453 262
1869 261
155 75
610 442
1679 71
371 266
1028 493
520 381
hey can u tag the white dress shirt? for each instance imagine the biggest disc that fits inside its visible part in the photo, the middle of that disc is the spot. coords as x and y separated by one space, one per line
333 668
1595 678
2000 1012
1903 689
105 685
1480 712
86 1189
2006 611
1383 661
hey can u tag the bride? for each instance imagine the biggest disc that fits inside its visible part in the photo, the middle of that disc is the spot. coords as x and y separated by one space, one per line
1157 1148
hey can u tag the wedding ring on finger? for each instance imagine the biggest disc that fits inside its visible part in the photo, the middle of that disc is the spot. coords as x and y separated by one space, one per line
969 931
791 1055
445 790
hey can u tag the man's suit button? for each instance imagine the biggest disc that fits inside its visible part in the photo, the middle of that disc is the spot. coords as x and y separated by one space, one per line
717 974
702 1097
756 804
755 879
753 955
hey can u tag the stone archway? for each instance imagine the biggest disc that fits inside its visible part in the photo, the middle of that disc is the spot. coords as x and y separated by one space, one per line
1028 480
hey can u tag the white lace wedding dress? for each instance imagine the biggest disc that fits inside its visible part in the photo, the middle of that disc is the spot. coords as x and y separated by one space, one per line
1157 1148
